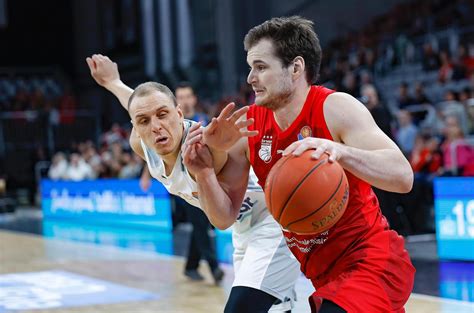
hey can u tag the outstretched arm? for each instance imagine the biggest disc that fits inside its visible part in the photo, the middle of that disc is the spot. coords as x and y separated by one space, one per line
106 74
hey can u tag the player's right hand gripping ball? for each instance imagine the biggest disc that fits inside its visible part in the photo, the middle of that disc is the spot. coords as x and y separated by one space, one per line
306 196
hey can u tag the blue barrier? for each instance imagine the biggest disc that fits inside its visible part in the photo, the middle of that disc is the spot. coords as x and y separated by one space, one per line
224 246
125 237
454 214
108 201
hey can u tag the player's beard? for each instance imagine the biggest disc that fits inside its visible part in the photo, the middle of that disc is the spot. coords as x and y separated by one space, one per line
280 98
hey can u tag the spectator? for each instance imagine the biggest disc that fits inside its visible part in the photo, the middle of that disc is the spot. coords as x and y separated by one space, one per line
381 115
466 59
78 169
426 163
404 98
188 102
470 114
132 166
430 59
350 85
455 145
406 133
420 95
451 106
58 167
115 134
445 72
93 159
425 158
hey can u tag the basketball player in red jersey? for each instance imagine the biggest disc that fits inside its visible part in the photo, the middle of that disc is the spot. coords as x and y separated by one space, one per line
359 265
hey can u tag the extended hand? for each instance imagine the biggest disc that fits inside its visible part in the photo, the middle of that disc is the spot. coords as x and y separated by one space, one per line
225 130
333 149
198 159
103 70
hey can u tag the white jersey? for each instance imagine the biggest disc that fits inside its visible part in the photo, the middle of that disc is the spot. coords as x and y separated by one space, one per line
181 184
261 258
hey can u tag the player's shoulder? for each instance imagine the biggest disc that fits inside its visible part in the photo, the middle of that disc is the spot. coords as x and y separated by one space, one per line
341 101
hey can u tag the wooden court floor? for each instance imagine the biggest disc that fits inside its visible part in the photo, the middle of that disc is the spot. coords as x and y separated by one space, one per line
161 275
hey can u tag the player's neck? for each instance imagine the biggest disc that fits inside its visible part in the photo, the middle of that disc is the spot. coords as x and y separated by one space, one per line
169 161
287 113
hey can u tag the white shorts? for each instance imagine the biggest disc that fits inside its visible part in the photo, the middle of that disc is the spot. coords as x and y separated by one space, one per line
263 261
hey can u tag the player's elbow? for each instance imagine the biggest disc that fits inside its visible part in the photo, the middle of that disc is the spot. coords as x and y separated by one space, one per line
406 181
221 225
223 220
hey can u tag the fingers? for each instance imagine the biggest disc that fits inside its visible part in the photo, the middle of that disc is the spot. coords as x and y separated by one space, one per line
101 59
247 133
197 138
194 127
185 150
202 150
237 114
194 135
244 123
333 155
318 152
211 127
91 64
320 146
305 145
225 113
291 148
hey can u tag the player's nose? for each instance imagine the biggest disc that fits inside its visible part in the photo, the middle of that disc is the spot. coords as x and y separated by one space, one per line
251 78
156 124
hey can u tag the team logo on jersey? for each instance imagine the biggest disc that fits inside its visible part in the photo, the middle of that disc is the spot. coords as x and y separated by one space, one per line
265 152
305 132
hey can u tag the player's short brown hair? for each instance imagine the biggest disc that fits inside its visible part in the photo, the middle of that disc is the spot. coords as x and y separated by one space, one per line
291 36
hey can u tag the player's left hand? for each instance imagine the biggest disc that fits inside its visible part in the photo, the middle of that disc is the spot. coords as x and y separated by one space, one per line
198 159
103 70
226 129
333 149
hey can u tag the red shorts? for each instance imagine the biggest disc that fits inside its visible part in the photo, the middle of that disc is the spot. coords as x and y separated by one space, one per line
376 280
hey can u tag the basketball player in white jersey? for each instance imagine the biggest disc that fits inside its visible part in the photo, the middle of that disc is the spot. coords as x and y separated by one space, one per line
265 269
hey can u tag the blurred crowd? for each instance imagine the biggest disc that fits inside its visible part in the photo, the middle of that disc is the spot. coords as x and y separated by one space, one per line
111 159
42 93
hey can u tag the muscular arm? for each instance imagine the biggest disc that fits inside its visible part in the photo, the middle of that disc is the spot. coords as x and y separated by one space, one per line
121 91
106 74
365 150
221 195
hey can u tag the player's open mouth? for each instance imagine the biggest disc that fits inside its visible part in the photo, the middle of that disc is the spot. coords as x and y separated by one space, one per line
258 91
161 140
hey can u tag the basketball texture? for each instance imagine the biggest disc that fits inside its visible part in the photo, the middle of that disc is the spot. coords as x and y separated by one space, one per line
306 196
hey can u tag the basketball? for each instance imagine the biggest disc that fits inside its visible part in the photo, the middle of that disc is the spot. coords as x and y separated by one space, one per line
305 195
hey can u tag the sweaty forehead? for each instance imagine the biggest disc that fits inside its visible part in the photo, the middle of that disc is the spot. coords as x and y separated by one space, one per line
149 103
263 50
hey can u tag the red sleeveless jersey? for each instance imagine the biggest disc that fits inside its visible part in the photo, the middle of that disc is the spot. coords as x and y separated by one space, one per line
359 241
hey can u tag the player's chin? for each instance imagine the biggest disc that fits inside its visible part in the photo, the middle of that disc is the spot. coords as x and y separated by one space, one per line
260 100
164 149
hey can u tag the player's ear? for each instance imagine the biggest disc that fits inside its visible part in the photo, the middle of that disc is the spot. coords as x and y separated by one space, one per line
180 112
298 67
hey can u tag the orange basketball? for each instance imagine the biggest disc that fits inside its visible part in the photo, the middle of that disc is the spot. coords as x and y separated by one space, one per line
306 196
